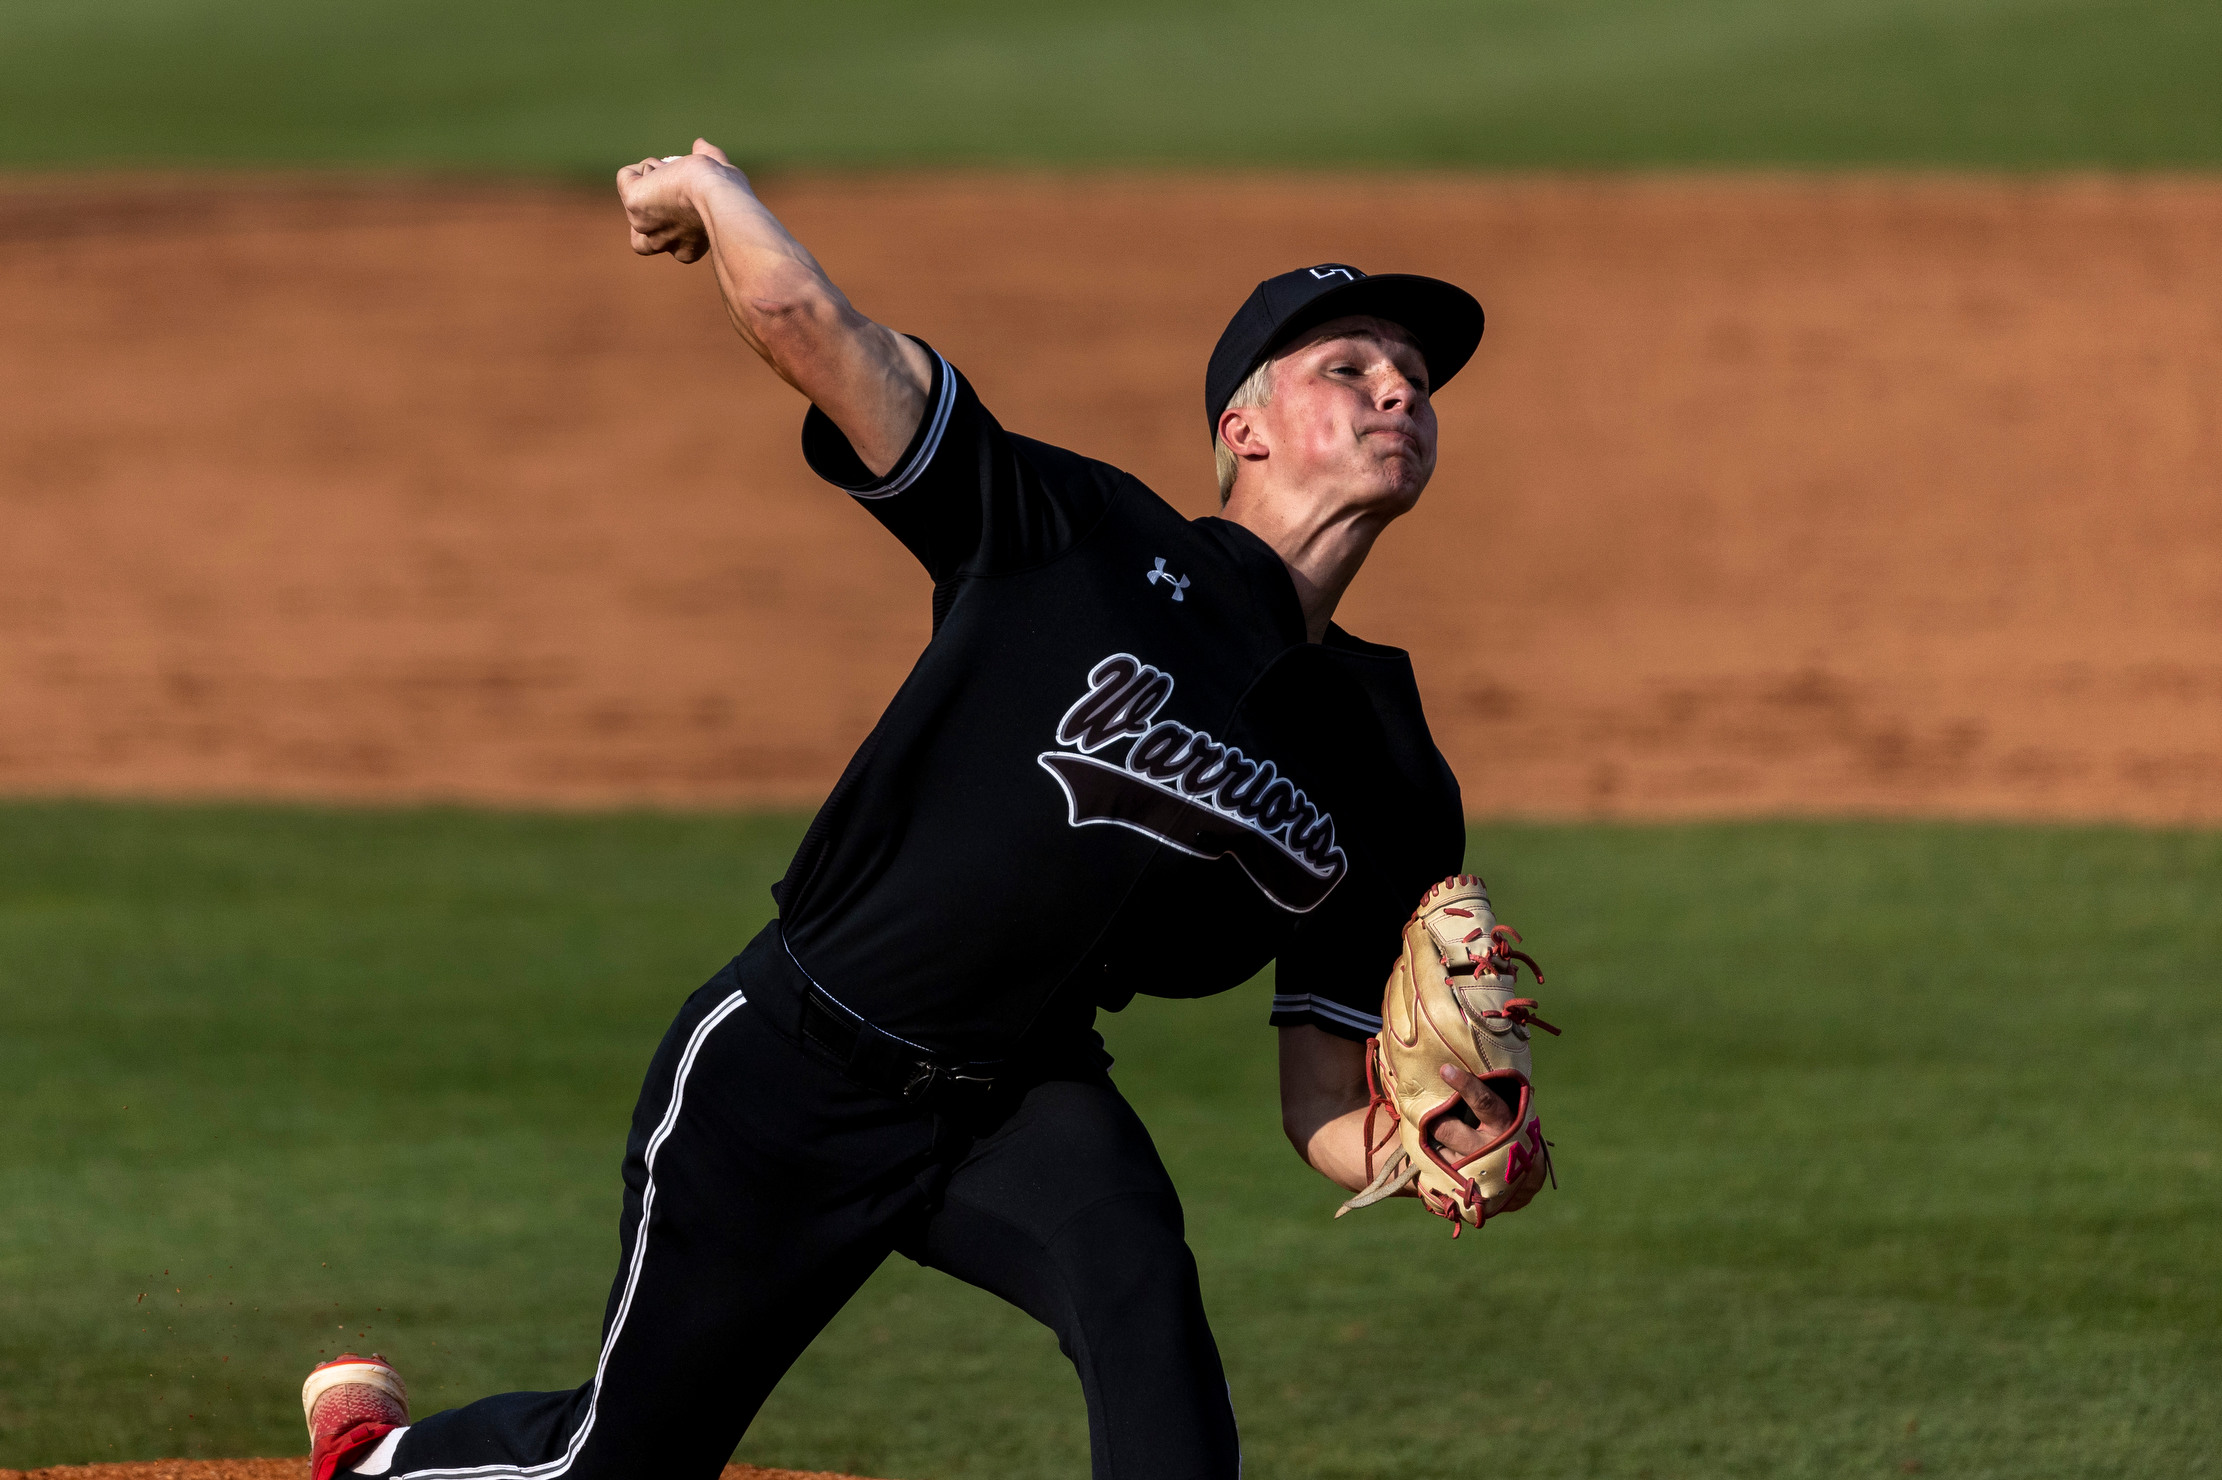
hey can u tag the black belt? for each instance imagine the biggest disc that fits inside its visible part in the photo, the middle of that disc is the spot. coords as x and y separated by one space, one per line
867 1054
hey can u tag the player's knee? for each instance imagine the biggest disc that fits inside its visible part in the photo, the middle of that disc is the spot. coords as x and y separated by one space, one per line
1128 1253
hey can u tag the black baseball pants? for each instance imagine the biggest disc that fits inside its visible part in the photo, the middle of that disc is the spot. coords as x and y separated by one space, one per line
762 1187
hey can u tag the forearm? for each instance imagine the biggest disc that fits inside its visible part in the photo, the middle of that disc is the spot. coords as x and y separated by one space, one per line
1336 1147
780 300
870 380
1323 1104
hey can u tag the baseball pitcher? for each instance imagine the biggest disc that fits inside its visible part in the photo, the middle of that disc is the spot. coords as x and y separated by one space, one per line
1137 756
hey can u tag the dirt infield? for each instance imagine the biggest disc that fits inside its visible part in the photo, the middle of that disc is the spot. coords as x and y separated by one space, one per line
1762 496
291 1469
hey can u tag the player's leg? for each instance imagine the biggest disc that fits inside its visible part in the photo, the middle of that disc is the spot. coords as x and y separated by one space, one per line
1066 1212
760 1188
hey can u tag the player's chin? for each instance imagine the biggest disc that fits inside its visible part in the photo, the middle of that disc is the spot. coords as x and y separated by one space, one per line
1398 483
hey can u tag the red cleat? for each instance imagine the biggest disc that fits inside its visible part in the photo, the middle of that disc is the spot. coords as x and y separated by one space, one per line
351 1402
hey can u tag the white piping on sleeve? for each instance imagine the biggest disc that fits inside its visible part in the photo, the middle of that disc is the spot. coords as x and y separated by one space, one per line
937 422
1334 1012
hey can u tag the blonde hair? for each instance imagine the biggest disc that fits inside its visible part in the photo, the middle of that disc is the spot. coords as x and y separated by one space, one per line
1256 390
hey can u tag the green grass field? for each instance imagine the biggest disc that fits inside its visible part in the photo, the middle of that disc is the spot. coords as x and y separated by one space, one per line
580 86
1882 1146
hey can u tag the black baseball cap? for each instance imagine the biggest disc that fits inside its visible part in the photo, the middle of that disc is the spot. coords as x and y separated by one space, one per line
1444 319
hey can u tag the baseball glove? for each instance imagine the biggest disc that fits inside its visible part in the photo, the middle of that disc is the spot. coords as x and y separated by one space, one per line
1450 1000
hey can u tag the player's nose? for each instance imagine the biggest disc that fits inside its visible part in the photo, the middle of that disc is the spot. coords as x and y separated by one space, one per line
1395 392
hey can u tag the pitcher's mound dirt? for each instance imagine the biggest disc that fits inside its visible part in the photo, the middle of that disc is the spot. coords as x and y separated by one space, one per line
1842 495
291 1469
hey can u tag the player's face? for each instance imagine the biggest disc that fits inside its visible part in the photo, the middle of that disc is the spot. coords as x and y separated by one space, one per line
1350 414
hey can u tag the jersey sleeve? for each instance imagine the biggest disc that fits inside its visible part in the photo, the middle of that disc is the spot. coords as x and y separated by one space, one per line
1337 962
1401 824
1332 973
966 497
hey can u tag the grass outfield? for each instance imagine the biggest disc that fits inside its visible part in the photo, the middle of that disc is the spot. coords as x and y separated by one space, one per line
581 85
1883 1146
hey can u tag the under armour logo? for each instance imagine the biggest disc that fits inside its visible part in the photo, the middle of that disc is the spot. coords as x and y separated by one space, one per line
1347 274
1178 583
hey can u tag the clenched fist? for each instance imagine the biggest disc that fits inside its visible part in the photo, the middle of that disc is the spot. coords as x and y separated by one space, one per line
662 199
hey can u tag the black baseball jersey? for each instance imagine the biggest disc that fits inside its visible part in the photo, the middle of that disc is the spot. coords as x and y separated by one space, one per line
1117 768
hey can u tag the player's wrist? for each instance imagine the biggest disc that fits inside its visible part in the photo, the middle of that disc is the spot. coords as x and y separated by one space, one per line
719 187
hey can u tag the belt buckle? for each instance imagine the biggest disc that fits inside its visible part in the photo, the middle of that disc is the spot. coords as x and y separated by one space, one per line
932 1075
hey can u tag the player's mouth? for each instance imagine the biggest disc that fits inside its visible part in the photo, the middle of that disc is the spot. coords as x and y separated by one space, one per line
1410 439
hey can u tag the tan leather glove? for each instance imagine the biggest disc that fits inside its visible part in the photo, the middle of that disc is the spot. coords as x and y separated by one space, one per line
1453 999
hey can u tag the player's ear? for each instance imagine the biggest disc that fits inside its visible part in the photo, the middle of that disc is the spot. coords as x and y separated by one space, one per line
1243 436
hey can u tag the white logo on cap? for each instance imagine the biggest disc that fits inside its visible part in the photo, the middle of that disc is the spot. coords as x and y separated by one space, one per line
1350 273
